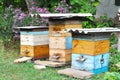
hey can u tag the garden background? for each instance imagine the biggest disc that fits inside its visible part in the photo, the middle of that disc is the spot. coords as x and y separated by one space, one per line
17 13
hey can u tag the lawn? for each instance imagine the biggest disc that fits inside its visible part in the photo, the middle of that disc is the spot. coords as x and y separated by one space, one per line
26 71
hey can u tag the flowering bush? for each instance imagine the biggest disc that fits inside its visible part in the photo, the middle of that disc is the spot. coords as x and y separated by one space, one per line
25 19
11 18
63 7
6 22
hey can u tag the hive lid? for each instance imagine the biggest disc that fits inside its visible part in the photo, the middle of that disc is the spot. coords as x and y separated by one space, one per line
32 27
92 30
64 15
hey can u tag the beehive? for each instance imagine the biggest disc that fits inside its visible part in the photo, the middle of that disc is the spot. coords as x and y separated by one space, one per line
34 44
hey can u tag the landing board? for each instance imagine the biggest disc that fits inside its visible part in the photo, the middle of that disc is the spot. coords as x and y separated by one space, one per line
50 63
75 73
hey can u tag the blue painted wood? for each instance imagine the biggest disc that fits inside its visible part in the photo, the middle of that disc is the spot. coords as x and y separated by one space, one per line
34 33
91 62
100 70
68 42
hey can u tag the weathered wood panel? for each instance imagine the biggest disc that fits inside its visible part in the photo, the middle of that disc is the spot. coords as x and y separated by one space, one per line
22 59
75 73
90 63
34 40
64 24
60 42
40 51
60 34
60 55
90 47
50 63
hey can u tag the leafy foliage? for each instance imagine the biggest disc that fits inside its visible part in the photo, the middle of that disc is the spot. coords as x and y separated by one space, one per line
112 76
6 22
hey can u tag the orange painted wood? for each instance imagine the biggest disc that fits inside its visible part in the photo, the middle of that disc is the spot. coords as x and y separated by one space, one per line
40 51
59 25
90 47
63 55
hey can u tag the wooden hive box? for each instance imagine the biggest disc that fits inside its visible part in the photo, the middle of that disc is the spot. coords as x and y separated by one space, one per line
60 42
96 64
60 55
34 38
90 47
60 24
38 51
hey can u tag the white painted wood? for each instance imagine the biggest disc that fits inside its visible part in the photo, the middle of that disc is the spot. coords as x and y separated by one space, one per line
32 27
64 15
119 40
93 30
57 42
118 46
34 40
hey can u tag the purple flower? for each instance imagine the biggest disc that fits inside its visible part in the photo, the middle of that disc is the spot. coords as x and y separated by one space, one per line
5 16
70 7
32 8
22 15
17 10
64 0
39 10
10 6
33 2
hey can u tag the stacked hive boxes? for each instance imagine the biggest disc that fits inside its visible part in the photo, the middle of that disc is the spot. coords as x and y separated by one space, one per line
91 52
60 45
34 44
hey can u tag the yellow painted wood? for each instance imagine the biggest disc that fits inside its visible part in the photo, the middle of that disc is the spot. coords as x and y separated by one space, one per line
64 55
40 51
90 47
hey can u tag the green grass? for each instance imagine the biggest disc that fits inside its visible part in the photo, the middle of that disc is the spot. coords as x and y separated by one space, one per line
26 71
